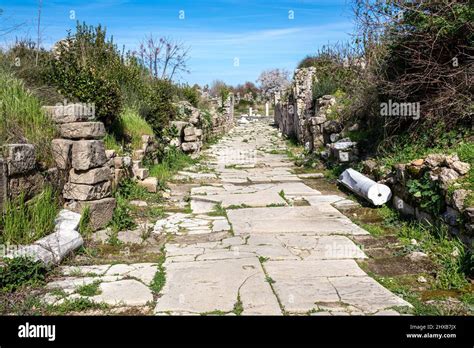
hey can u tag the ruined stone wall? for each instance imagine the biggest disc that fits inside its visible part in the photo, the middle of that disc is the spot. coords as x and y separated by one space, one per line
80 154
197 126
20 173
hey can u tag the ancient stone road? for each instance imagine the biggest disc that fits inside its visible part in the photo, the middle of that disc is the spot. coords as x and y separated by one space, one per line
281 257
258 241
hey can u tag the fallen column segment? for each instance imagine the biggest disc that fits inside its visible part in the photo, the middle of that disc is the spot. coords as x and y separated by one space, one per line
377 194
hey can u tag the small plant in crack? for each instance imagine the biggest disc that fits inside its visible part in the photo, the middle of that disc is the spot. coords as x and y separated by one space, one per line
91 289
262 259
238 306
269 280
160 276
218 210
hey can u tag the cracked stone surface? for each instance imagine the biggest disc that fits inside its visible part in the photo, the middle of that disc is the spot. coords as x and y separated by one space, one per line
277 258
242 244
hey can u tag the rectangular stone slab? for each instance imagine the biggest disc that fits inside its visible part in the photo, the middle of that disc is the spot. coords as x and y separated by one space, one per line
290 220
300 284
207 286
82 130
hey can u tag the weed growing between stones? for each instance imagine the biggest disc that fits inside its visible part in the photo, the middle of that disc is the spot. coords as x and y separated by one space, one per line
218 211
89 289
160 276
20 272
25 222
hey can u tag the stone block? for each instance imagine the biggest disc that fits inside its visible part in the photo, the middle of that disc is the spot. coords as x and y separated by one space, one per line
87 154
29 184
89 177
140 173
190 138
100 211
403 207
198 132
150 184
70 113
138 155
21 158
110 154
61 149
82 130
188 131
179 126
81 192
190 147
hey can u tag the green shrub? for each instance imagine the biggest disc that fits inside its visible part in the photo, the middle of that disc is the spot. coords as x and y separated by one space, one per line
173 161
129 189
191 94
158 109
21 271
88 69
121 218
129 128
24 222
22 120
427 193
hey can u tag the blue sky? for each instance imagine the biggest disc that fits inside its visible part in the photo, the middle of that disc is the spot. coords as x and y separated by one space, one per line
257 35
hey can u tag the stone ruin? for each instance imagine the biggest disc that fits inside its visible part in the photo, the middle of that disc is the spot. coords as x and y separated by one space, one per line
195 126
309 121
80 153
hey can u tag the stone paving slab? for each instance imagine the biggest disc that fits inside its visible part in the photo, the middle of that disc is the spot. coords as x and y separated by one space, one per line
216 286
290 220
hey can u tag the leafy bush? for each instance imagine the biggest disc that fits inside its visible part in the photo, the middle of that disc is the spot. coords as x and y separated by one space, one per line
427 193
173 160
121 219
22 120
21 271
24 222
191 94
158 109
87 69
129 128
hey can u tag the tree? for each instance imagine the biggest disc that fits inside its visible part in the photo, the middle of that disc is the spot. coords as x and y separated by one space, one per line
163 57
273 81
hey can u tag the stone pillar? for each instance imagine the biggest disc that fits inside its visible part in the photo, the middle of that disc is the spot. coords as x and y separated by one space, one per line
267 109
250 111
81 153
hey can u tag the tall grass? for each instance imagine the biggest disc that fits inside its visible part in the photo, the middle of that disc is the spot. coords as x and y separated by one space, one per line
21 118
24 222
130 127
173 161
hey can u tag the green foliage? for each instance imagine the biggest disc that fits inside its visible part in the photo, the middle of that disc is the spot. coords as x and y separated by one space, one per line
173 161
128 128
448 253
159 279
21 118
121 218
158 109
129 189
88 69
24 222
19 272
91 289
191 94
84 223
427 193
218 210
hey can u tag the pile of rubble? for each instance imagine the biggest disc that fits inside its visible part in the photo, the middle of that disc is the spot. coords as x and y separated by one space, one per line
443 170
